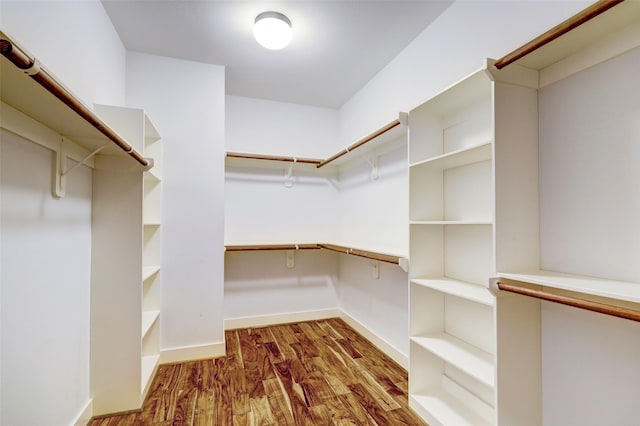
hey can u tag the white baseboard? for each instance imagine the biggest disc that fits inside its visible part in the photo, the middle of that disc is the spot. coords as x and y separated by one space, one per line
377 341
85 415
190 353
265 320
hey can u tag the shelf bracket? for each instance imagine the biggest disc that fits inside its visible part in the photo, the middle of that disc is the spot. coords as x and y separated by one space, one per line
373 163
374 167
85 159
376 269
288 176
61 171
291 258
60 180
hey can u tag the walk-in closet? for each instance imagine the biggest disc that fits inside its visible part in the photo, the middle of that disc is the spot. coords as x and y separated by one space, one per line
395 212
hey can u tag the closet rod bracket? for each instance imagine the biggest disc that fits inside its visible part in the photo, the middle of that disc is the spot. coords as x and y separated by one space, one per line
291 258
288 175
60 179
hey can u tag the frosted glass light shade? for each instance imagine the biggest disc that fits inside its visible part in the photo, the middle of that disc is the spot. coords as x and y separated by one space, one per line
272 30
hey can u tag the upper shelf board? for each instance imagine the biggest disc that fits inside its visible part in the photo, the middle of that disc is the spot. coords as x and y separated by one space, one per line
268 161
400 259
618 290
460 157
22 92
581 37
391 132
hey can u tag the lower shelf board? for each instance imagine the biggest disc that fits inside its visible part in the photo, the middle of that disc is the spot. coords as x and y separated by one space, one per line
452 405
149 365
473 292
148 318
468 358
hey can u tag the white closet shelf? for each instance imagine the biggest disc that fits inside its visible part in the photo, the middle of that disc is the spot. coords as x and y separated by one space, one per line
451 222
148 318
149 271
450 405
574 35
270 246
460 157
400 259
152 223
373 141
473 361
30 88
244 159
384 135
618 290
464 290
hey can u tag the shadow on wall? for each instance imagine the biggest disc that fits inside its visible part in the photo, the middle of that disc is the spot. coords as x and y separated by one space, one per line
267 271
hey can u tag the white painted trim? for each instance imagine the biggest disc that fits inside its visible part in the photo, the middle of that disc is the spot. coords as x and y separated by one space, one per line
377 341
265 320
85 415
190 353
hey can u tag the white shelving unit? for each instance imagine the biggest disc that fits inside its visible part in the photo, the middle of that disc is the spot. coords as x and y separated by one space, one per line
475 355
129 293
460 145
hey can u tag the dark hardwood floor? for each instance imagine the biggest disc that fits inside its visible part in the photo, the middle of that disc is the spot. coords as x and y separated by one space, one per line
308 373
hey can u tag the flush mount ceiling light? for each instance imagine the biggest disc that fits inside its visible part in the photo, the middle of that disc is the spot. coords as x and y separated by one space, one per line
272 30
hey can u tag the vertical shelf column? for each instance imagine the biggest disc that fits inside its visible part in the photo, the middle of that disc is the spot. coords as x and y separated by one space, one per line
152 256
451 319
475 358
120 382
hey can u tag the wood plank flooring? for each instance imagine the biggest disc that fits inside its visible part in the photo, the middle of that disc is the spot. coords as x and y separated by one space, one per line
308 373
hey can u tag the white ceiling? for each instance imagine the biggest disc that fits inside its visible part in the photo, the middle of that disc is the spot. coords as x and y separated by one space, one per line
338 45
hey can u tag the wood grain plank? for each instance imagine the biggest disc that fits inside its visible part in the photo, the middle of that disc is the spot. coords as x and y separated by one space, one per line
223 408
369 403
290 373
278 402
262 415
232 344
320 415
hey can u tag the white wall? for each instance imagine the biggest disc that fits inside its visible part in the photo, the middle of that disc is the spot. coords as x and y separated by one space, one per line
452 47
259 284
374 214
45 281
46 243
185 101
268 127
589 225
259 208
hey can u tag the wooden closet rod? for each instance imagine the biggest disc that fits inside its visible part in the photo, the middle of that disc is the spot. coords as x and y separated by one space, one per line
575 21
360 143
274 158
30 66
362 253
602 308
258 247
